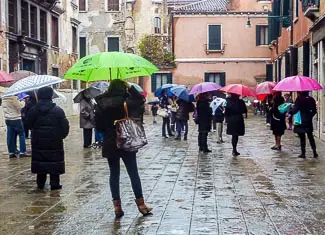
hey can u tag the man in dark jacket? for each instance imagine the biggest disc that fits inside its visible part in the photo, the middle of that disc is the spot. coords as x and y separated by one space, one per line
49 127
182 117
306 105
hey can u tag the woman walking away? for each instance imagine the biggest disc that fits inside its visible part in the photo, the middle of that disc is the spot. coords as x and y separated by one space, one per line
278 120
306 105
110 107
164 104
49 127
234 111
182 117
204 113
87 119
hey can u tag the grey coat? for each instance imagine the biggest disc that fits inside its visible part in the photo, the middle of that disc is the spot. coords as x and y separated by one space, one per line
87 114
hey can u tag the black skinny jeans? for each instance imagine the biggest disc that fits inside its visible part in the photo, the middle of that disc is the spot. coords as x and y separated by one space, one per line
166 124
130 162
234 142
203 140
302 137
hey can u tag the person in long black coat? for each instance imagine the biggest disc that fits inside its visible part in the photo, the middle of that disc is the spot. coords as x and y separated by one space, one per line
110 107
234 111
49 127
204 113
164 103
307 107
182 117
278 120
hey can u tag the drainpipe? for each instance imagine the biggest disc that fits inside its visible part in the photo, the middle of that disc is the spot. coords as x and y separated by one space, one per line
173 48
291 38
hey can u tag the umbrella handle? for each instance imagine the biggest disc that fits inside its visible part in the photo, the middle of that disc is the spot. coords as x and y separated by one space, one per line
36 97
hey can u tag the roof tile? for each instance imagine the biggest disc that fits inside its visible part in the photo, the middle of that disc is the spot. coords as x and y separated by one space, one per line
204 6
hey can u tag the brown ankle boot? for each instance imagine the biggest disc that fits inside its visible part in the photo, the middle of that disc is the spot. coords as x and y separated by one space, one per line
118 208
143 208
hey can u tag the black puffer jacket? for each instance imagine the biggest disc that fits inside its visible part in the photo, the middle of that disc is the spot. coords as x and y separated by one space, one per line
109 109
307 107
184 109
49 127
234 110
204 113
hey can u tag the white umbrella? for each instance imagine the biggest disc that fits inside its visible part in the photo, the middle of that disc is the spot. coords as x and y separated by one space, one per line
31 83
216 103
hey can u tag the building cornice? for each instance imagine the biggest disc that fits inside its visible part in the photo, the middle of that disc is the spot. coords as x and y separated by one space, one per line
230 13
220 60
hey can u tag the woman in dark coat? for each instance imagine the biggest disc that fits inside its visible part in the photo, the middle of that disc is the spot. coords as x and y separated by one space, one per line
234 111
49 127
182 117
87 119
307 107
110 107
164 102
204 113
278 120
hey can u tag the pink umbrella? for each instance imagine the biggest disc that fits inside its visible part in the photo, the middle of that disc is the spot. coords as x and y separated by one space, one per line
238 89
5 77
265 88
298 83
204 87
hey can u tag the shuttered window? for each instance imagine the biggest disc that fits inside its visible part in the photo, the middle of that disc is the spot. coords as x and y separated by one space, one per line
113 5
269 72
306 58
12 16
286 12
113 44
159 79
74 40
43 26
214 38
33 22
157 25
262 35
55 31
24 19
82 5
218 78
82 47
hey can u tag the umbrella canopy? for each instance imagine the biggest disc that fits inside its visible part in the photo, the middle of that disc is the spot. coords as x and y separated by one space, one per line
182 93
216 103
298 83
22 96
166 87
154 101
2 89
110 65
204 87
136 86
90 92
31 83
265 88
239 89
102 86
5 77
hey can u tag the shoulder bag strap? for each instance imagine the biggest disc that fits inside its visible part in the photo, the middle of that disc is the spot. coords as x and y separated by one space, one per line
126 110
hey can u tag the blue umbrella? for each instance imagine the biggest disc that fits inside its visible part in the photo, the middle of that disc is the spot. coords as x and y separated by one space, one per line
102 86
182 93
166 87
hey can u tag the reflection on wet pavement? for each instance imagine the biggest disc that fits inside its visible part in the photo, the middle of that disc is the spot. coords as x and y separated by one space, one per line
259 192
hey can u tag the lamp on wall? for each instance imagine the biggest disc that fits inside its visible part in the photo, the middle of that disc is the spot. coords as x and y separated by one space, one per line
248 24
280 18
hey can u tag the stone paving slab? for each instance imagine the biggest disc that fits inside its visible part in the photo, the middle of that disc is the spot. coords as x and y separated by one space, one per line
259 192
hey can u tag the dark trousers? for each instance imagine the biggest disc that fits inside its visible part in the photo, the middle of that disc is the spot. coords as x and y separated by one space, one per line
234 142
268 117
166 124
88 136
180 125
203 140
15 128
25 128
54 180
302 137
173 121
130 162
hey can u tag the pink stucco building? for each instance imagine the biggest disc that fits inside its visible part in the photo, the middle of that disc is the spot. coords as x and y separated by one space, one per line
211 43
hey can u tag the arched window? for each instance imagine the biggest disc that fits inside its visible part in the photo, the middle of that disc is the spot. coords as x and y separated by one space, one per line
157 25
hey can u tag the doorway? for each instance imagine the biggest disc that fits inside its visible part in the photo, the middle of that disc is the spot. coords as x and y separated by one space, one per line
29 65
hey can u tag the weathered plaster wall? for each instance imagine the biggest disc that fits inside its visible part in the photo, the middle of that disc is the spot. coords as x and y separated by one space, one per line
3 41
248 5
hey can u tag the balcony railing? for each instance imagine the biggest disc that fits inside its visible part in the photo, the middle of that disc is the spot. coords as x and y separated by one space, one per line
309 3
311 9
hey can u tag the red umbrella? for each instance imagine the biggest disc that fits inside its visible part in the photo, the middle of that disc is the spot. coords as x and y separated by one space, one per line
5 77
238 89
264 89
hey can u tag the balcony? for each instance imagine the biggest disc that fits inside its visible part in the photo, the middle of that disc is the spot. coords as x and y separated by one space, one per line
311 9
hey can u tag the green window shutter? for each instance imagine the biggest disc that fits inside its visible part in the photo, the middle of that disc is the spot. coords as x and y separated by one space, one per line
206 77
222 79
170 78
258 35
306 58
82 47
153 82
286 12
214 37
269 72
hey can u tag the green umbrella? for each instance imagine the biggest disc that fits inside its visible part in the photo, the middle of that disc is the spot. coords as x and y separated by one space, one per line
110 65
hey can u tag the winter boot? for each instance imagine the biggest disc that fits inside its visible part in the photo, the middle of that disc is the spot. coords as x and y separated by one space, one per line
118 209
142 207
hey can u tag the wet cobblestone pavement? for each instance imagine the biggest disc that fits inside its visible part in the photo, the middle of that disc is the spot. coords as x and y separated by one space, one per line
259 192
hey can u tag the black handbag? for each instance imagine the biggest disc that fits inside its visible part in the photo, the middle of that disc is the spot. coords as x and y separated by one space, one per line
130 135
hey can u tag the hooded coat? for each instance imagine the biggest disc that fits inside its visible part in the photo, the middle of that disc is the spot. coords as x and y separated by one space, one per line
110 107
184 109
49 127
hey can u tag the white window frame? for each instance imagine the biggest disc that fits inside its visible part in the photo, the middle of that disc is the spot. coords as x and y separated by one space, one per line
221 38
113 36
86 6
154 24
106 6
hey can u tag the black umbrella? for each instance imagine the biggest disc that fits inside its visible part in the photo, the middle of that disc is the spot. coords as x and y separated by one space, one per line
90 92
